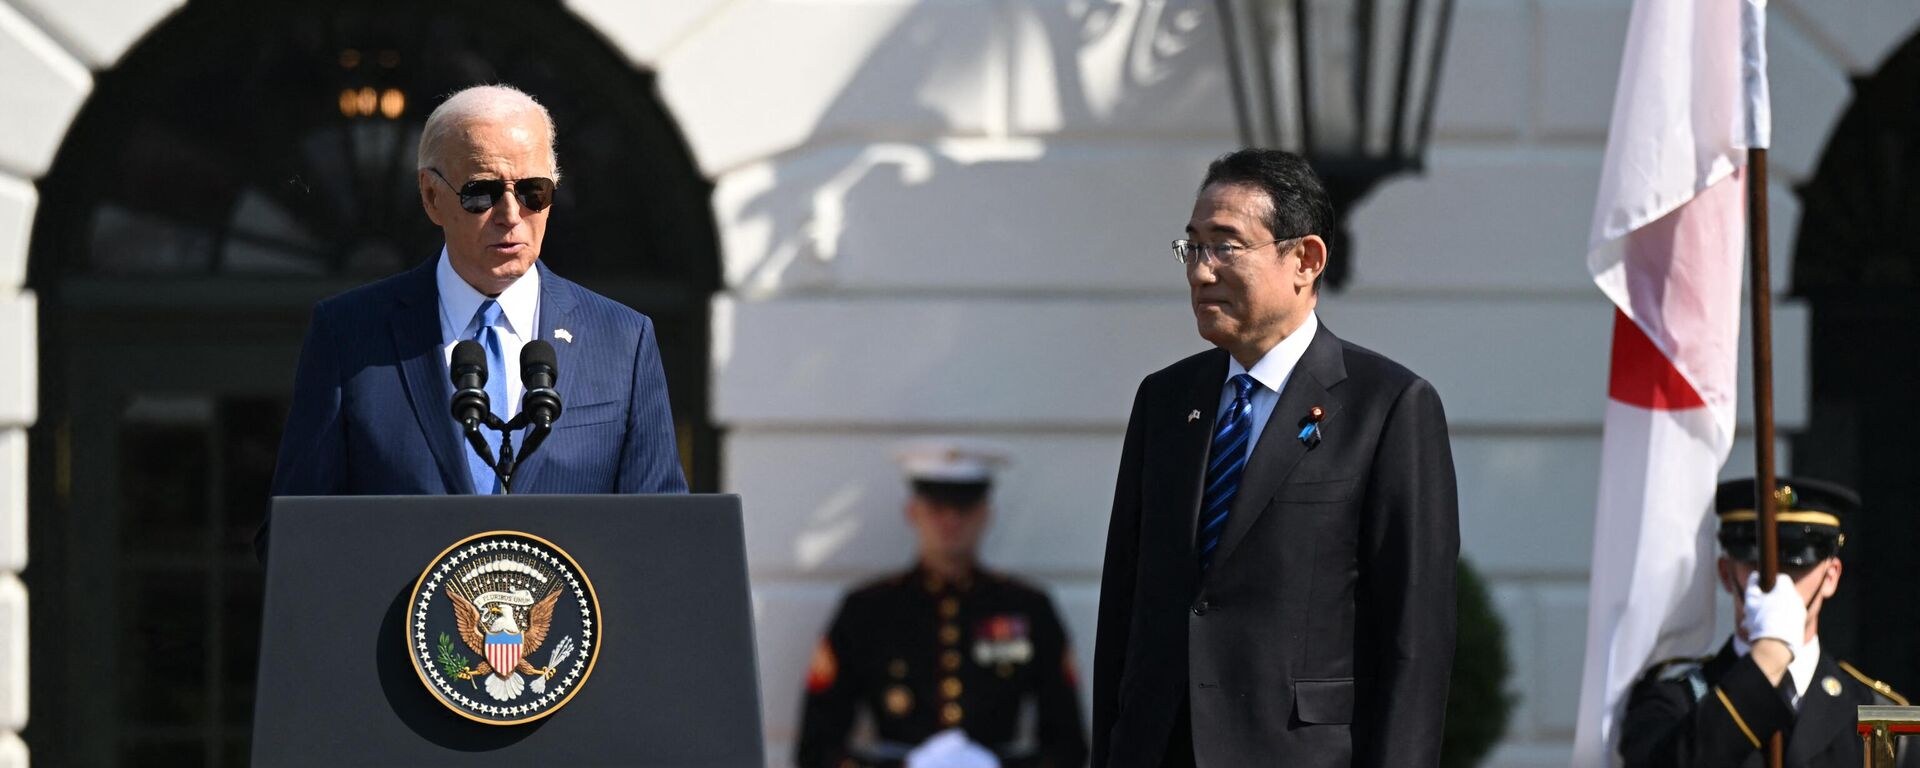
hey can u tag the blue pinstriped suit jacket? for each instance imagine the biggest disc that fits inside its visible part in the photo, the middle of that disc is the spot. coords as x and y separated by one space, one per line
372 405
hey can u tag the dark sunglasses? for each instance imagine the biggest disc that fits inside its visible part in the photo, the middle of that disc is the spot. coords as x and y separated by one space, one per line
481 194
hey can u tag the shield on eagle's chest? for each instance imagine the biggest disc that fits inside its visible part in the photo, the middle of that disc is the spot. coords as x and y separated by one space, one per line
503 652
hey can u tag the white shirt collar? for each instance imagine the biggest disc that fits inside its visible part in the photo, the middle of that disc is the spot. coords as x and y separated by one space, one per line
460 301
1803 665
1273 368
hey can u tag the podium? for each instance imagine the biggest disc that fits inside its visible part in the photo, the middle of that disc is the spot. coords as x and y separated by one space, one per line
358 665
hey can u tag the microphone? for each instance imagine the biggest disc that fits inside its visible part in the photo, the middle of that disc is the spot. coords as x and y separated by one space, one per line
539 371
540 406
471 406
469 371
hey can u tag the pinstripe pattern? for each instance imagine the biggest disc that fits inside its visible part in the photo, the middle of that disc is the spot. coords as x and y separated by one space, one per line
371 410
610 377
1225 461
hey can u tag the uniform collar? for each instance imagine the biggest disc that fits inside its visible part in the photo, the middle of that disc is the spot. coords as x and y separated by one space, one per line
936 584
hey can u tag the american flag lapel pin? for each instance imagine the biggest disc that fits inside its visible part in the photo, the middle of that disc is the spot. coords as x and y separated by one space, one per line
563 335
1193 416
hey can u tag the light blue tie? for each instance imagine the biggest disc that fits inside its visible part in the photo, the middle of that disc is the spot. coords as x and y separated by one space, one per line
487 331
1225 461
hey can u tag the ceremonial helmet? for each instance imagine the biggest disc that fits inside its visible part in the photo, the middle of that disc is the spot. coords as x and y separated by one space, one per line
1807 512
951 471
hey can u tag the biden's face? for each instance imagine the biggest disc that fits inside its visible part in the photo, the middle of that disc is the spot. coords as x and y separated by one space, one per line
494 247
1247 306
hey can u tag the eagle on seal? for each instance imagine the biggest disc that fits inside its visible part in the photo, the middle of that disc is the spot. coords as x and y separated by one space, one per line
480 628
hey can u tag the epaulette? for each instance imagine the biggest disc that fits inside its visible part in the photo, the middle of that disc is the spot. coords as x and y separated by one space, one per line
1879 687
1690 670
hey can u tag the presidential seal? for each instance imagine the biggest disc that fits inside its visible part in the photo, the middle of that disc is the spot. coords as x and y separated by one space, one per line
503 628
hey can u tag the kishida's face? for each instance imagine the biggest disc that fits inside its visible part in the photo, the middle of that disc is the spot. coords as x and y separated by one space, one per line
1248 306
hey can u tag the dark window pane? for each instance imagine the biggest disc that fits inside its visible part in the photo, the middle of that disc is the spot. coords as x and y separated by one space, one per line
239 751
242 644
162 754
278 140
164 485
249 447
163 656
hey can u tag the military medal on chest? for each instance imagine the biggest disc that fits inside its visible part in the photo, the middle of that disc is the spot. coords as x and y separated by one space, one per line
1002 640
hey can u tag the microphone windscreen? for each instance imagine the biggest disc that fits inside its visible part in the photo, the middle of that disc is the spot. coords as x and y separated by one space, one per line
539 353
469 354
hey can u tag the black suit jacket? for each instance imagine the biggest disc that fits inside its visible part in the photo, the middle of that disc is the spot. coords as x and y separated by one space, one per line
1322 634
1716 713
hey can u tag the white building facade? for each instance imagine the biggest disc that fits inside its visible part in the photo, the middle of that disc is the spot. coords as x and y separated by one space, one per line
952 217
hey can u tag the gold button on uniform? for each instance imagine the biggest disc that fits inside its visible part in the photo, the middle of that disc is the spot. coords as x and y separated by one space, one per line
950 688
950 661
951 714
899 701
949 635
949 608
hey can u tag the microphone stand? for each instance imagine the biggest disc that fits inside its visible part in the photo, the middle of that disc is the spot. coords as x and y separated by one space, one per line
507 462
478 441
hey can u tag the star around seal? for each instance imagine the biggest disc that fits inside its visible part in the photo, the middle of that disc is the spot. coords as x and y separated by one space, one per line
504 627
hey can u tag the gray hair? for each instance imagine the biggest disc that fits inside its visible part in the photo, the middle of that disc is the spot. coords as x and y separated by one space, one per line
480 102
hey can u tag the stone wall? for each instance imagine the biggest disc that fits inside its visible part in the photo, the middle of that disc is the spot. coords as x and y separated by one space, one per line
951 217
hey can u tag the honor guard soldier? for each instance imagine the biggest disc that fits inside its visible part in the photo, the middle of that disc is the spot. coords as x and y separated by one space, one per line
946 656
1772 675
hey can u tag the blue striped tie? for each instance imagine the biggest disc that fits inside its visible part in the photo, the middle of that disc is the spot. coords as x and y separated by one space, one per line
487 332
1224 464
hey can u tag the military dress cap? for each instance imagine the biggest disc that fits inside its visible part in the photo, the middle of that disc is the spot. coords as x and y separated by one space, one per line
1808 515
952 471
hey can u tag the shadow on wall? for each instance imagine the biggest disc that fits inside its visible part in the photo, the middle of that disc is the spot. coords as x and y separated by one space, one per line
971 154
903 210
906 193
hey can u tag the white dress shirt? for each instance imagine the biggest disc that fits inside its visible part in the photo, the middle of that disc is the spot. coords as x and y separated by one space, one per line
519 303
1271 374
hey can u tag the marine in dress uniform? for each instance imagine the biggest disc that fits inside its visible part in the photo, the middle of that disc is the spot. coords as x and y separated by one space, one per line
946 656
1720 710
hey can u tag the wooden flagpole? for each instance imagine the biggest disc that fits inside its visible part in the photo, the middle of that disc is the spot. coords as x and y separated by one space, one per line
1763 469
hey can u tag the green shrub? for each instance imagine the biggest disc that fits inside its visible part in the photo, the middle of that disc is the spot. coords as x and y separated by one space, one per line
1478 703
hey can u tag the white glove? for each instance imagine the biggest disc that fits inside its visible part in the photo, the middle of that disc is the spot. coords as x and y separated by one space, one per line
1778 613
951 749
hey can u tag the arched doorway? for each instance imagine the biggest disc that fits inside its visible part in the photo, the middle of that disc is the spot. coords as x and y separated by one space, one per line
243 161
1857 264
